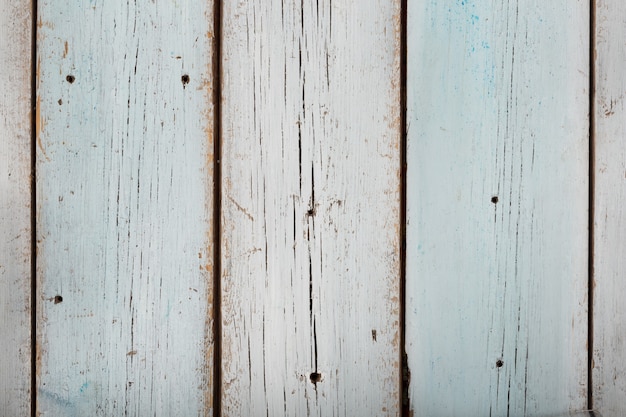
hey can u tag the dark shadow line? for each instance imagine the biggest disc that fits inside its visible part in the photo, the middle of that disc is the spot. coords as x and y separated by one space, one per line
33 209
591 199
217 208
405 374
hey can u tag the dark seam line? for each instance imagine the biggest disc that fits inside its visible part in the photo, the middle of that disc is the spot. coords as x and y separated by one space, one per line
33 210
404 372
217 208
591 198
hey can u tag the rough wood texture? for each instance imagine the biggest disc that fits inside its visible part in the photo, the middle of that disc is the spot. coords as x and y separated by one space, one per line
311 186
609 339
497 207
124 161
15 208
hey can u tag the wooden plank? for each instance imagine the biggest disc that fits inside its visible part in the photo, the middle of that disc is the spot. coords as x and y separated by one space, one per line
124 161
15 208
310 255
609 309
497 207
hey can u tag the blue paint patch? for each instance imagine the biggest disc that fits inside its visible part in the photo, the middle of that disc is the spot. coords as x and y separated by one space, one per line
56 398
84 387
474 19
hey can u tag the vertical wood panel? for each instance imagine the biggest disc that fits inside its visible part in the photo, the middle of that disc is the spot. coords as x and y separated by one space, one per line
15 207
124 160
609 339
497 207
311 131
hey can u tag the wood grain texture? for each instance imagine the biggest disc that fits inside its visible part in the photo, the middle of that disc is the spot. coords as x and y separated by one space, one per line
497 206
15 207
125 207
609 338
311 133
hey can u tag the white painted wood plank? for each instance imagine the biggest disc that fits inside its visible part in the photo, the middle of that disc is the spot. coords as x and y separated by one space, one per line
15 209
609 308
497 289
124 161
311 133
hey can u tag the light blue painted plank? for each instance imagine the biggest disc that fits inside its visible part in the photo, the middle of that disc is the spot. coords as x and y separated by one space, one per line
609 308
124 187
497 207
15 208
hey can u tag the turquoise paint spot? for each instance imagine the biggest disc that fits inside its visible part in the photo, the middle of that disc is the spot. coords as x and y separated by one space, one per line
474 19
84 387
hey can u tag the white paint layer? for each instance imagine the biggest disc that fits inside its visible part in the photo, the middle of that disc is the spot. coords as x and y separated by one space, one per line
124 210
497 207
15 199
311 205
609 338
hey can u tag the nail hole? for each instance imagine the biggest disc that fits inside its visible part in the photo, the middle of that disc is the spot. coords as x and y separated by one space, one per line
70 79
315 377
60 102
494 199
58 299
185 79
374 335
499 363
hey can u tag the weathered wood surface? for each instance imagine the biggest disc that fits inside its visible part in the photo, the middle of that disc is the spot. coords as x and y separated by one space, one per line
124 210
497 207
15 207
310 255
609 307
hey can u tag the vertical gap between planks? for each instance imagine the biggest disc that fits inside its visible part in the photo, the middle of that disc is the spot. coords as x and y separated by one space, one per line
33 210
217 208
591 198
405 374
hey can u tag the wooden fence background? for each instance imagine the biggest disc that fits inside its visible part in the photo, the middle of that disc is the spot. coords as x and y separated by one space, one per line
312 208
